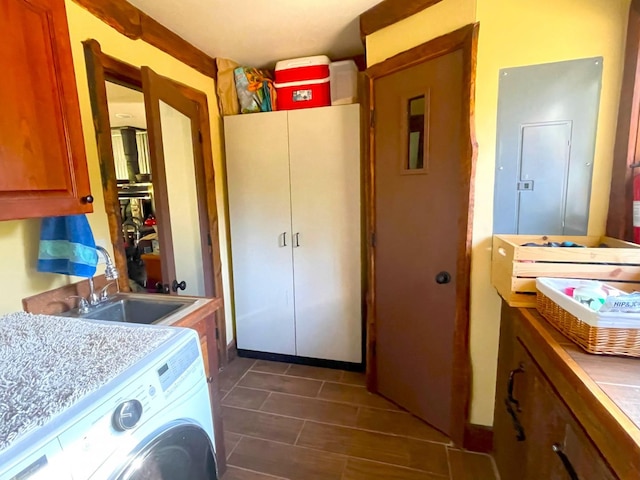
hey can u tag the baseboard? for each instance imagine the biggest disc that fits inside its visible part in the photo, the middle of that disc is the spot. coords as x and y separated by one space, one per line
314 362
232 351
478 438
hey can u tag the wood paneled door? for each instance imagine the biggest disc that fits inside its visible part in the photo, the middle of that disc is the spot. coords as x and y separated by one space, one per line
421 165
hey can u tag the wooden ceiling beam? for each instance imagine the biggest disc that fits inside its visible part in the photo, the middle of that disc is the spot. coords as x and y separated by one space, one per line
137 25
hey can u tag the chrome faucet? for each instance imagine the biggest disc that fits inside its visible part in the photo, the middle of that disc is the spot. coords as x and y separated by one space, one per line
110 273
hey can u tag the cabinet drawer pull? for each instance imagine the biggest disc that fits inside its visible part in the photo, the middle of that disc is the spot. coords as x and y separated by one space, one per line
87 199
557 448
517 426
512 377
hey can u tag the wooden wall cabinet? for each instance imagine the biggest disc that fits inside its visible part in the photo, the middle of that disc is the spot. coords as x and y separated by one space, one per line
294 204
535 434
43 167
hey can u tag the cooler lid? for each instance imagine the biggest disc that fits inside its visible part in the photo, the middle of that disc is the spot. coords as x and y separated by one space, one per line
303 62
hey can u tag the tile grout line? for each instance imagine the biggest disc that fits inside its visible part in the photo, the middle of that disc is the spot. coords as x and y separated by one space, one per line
295 443
235 446
245 469
263 402
353 427
346 457
449 463
285 374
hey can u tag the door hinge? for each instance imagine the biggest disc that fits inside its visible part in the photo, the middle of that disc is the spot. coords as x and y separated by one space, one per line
372 118
373 239
209 238
217 333
199 136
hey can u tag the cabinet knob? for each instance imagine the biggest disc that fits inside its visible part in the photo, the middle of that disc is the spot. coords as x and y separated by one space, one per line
178 285
87 199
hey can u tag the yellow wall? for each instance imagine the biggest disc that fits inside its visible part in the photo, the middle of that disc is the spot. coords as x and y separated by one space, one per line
523 32
19 239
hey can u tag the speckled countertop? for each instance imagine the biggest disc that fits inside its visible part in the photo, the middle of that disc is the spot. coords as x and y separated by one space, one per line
48 363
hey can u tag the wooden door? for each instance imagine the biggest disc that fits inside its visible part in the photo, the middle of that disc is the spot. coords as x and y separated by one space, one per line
43 168
178 182
324 148
418 192
257 152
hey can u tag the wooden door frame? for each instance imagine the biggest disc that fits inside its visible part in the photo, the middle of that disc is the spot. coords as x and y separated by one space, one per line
465 39
100 68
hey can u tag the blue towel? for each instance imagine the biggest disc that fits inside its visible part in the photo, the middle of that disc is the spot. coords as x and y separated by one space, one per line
67 246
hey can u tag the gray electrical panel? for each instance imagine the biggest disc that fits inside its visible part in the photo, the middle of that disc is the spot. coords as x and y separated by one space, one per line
547 120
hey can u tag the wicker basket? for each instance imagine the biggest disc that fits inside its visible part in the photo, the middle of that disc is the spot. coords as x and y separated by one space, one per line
599 340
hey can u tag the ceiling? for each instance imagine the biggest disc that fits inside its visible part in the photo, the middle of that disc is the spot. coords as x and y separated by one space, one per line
259 33
126 107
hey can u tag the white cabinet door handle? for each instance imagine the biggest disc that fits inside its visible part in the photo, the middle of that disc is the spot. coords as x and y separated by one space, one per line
283 236
296 240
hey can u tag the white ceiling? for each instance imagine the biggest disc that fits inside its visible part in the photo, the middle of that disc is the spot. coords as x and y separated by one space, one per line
258 33
126 107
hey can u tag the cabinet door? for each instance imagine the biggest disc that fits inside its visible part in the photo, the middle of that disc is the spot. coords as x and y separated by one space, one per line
43 168
325 200
257 154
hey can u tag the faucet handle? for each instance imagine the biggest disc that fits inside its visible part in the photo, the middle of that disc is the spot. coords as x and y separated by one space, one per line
83 304
104 292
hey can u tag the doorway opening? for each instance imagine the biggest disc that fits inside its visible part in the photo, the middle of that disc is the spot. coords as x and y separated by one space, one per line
160 195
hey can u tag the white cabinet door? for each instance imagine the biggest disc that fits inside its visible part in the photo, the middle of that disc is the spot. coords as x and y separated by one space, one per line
260 219
324 147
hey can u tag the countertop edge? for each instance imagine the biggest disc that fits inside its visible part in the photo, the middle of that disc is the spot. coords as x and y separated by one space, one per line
611 430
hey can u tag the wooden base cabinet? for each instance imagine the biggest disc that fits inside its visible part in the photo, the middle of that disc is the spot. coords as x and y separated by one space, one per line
294 204
535 435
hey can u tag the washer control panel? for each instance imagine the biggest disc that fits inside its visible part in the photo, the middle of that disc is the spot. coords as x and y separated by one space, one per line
127 415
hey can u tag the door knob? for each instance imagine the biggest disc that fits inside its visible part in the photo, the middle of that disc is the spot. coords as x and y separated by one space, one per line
443 277
175 285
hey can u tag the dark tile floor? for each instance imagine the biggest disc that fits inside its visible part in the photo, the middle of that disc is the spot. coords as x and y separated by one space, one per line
296 422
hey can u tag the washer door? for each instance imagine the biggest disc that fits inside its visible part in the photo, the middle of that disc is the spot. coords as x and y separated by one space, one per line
181 453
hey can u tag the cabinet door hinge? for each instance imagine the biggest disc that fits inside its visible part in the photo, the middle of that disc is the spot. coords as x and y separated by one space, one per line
373 239
199 136
217 333
372 118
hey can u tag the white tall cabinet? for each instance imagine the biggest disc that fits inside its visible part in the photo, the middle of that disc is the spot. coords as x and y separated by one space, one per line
294 203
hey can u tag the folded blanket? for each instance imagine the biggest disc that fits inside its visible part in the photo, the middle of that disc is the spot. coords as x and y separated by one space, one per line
67 246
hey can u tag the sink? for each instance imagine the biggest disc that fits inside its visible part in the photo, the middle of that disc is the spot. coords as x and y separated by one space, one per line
135 309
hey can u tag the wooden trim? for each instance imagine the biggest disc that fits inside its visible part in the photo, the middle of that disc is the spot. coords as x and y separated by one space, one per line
478 438
626 152
137 25
389 12
465 39
98 95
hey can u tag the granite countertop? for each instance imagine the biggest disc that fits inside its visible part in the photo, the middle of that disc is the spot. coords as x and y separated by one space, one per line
48 363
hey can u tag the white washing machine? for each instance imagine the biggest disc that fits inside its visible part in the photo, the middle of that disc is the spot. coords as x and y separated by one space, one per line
151 422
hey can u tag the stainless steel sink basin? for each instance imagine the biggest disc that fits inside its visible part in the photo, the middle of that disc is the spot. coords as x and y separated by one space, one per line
145 309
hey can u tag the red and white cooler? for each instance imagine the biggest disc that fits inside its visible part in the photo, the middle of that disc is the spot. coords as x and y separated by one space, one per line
303 83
